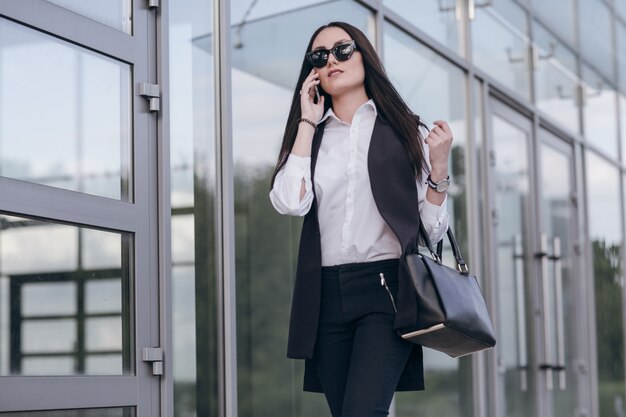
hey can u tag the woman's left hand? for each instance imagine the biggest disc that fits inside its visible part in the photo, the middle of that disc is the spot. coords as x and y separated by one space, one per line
439 142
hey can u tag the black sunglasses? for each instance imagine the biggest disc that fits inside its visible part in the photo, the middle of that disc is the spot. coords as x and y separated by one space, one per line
319 57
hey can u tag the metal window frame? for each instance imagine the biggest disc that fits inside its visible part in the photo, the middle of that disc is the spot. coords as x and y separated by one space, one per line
78 209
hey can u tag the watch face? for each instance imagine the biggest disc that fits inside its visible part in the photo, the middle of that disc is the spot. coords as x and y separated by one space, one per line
443 186
440 186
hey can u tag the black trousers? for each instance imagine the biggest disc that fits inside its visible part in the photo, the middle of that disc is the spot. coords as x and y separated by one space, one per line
358 355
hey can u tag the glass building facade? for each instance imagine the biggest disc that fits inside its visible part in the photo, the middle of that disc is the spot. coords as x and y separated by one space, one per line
143 270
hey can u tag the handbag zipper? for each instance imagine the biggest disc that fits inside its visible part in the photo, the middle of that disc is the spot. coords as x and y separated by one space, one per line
383 283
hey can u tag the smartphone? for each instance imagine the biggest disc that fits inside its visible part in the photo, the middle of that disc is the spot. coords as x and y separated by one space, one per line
317 95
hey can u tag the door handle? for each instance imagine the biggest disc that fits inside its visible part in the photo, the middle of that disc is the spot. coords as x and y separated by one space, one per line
560 338
518 274
547 328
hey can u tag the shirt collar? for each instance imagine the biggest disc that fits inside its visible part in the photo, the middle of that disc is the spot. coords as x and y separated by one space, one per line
330 113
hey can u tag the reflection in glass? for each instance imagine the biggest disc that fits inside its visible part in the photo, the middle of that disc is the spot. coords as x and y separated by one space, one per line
439 19
620 7
97 364
59 315
103 334
559 16
193 200
595 42
57 298
599 112
511 203
501 46
57 365
114 13
65 114
43 336
420 75
556 80
102 296
606 234
244 11
83 412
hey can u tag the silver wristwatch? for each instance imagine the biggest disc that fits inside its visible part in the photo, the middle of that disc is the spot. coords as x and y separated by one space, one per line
439 186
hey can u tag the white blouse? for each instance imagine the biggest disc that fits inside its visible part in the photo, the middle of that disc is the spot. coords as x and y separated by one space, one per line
351 228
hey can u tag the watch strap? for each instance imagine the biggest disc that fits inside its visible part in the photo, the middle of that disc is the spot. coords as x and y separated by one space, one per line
435 185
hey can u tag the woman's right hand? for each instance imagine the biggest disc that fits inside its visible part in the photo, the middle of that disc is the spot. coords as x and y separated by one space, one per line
310 110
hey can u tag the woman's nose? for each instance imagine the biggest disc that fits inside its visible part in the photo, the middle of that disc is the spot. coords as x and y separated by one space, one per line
331 60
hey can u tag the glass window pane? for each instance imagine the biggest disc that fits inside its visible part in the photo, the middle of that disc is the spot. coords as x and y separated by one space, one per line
559 16
103 296
46 315
193 191
501 46
65 114
52 365
595 40
103 333
184 335
510 170
557 82
246 11
437 18
182 238
419 73
620 7
599 112
100 250
48 336
49 299
103 365
114 13
83 412
606 229
21 239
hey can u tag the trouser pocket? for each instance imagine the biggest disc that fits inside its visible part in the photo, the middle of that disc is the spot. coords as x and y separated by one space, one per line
383 283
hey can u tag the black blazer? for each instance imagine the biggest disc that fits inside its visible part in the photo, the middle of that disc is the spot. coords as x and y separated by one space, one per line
393 185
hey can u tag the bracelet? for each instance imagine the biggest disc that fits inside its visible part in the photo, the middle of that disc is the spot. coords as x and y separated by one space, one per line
309 121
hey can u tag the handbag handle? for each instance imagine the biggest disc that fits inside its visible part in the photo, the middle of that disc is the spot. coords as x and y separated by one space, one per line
460 262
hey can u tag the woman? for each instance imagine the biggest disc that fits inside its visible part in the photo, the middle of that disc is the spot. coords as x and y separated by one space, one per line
355 163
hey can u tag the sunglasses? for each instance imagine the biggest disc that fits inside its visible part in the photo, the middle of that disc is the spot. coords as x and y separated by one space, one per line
319 57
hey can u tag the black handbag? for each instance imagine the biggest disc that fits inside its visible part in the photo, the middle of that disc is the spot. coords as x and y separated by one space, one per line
452 315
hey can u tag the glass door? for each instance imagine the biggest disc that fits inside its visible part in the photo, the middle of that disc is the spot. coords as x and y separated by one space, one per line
540 314
79 282
511 220
564 332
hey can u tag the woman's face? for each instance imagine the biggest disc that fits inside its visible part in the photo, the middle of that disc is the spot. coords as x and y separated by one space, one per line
337 77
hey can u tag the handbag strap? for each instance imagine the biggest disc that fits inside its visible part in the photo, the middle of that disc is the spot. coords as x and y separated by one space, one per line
460 262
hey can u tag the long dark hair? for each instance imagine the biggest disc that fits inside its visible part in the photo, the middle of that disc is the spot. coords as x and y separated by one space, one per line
389 105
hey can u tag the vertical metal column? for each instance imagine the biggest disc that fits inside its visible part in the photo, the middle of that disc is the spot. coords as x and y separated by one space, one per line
225 231
166 299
